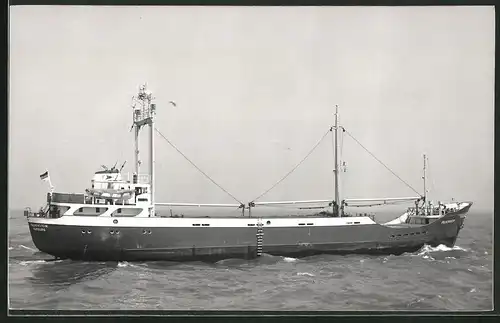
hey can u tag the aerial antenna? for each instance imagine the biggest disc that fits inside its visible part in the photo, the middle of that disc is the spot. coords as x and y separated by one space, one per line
123 165
104 167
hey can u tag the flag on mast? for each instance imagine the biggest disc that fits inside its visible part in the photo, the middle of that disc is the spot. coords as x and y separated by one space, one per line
44 176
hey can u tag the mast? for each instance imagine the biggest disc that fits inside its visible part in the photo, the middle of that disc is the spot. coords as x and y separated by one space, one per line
143 114
425 182
136 165
152 157
337 163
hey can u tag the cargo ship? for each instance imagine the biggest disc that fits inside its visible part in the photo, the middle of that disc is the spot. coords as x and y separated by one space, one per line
116 218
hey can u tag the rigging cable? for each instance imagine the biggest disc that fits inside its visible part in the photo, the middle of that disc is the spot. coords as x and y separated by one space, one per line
342 143
171 144
293 169
377 204
430 177
350 135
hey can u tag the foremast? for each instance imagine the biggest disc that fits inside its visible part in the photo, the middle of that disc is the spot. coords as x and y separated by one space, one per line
425 197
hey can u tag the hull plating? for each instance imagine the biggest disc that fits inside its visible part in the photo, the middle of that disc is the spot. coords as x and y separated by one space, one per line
216 243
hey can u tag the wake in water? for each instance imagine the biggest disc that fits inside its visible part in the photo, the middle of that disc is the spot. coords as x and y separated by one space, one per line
125 264
32 262
28 248
440 248
288 259
426 252
441 252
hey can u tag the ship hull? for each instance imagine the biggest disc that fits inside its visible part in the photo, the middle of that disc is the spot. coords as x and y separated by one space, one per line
112 243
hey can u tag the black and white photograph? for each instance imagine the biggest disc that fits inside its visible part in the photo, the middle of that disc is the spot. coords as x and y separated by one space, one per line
251 158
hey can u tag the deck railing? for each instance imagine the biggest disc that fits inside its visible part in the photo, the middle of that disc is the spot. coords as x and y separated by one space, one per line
66 198
425 211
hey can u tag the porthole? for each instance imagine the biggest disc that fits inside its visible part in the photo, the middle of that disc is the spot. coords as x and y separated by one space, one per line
268 222
143 231
83 231
115 221
111 232
89 231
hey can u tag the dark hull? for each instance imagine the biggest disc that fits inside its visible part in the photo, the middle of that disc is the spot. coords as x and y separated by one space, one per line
217 243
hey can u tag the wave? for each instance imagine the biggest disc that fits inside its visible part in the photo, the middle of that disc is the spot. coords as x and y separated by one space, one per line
305 274
27 248
428 257
125 264
41 261
441 248
288 259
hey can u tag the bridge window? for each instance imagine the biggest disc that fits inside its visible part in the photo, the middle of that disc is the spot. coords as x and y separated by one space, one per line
90 211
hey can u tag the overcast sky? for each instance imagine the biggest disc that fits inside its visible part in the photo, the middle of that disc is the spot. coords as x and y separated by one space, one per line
255 89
